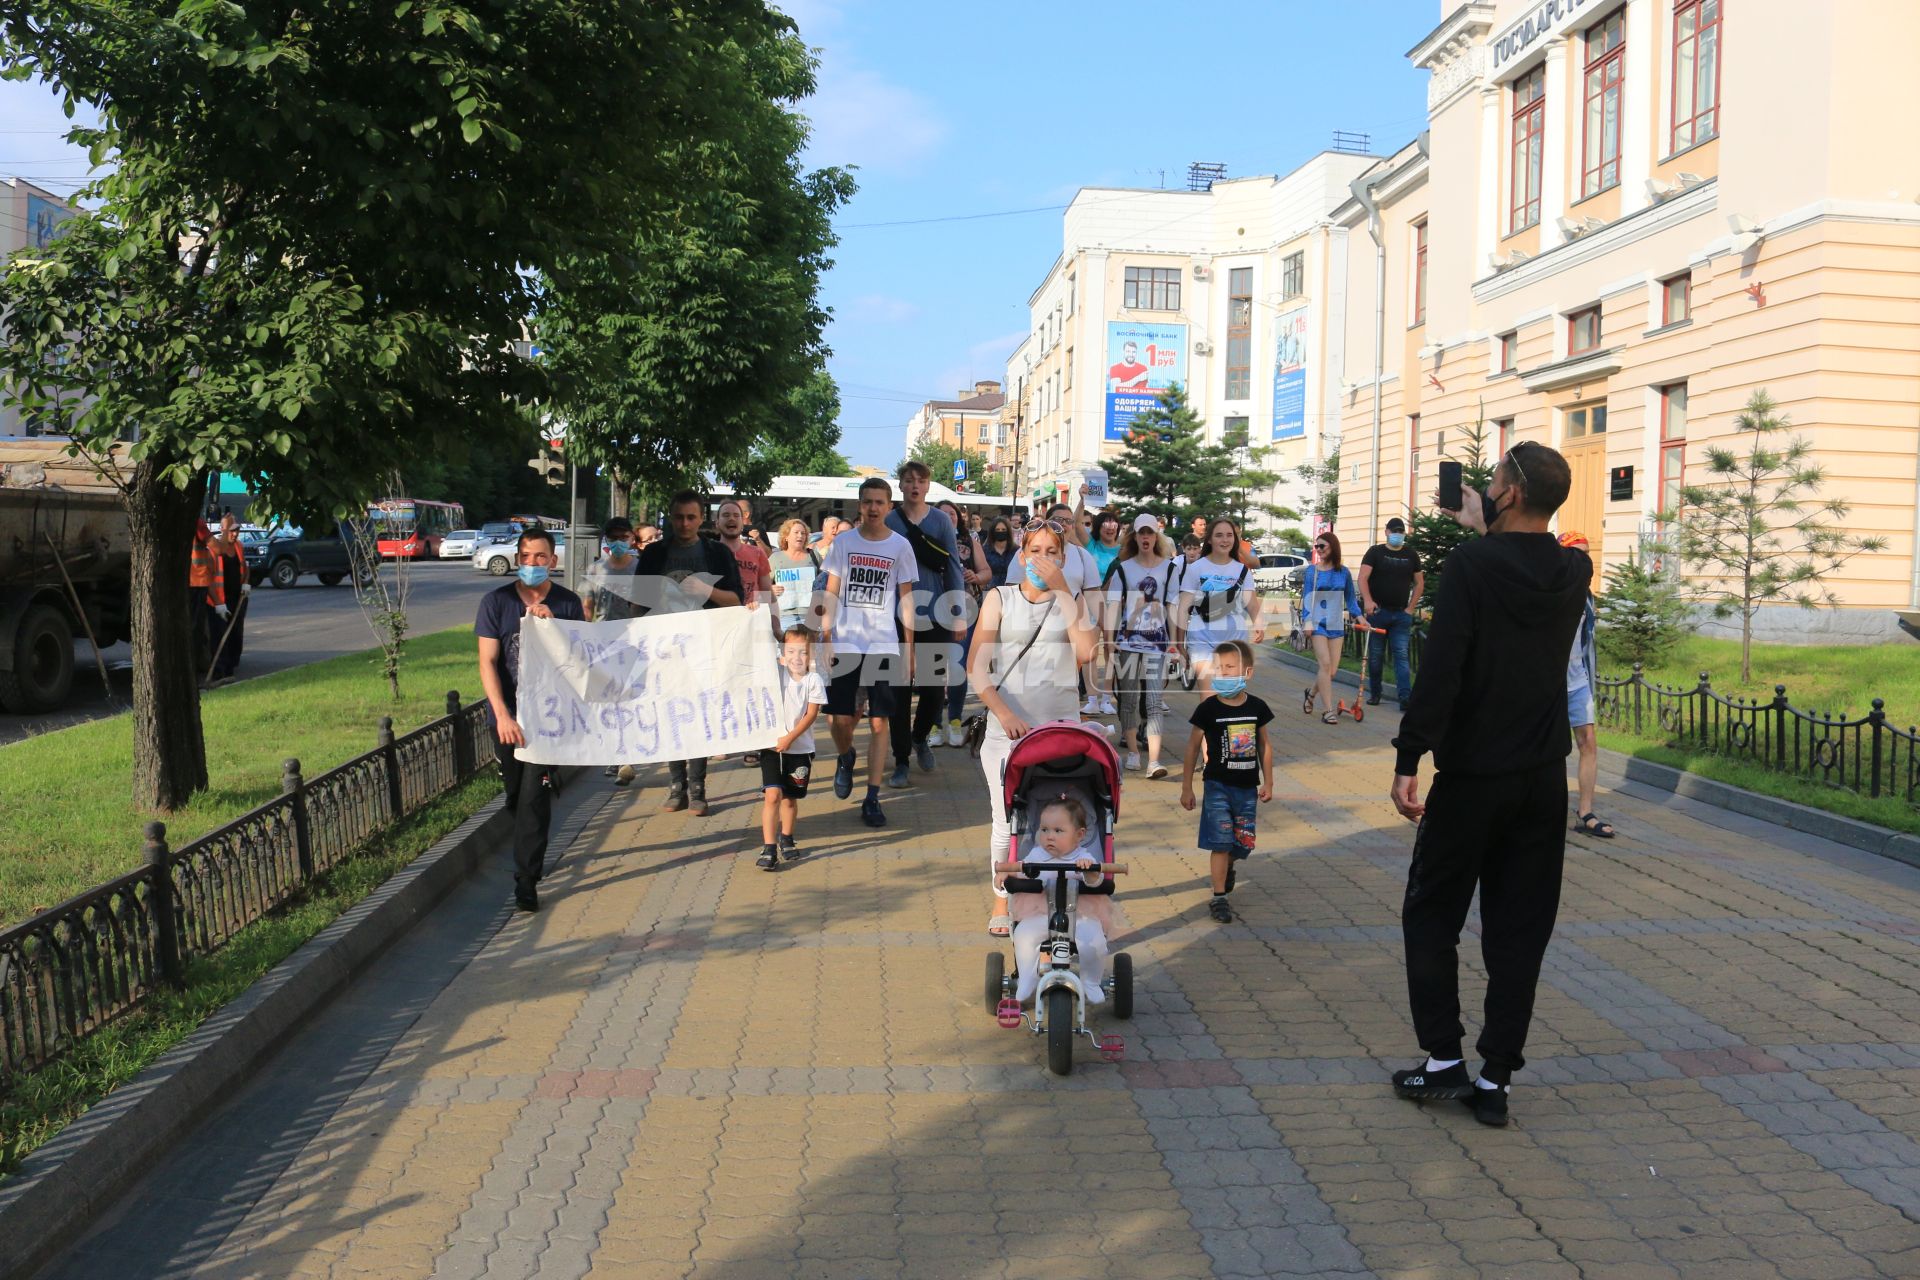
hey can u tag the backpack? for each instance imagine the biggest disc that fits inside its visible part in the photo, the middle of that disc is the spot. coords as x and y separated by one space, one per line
1216 606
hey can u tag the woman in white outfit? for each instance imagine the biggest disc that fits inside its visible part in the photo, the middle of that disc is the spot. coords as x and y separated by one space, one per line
1219 600
1021 690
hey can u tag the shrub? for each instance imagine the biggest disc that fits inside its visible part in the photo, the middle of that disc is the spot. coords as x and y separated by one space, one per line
1642 615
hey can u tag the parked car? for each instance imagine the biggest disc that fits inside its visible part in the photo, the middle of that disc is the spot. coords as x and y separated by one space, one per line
497 558
460 544
1279 570
291 552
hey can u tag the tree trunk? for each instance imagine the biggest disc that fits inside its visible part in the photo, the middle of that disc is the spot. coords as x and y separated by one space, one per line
620 498
169 752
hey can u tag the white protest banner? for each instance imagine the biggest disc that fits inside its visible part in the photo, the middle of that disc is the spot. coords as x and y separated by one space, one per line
680 686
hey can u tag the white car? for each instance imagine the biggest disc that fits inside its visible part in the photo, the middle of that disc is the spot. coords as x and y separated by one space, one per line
497 558
460 544
1276 567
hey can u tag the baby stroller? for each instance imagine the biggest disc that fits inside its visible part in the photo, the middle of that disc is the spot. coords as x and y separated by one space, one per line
1069 758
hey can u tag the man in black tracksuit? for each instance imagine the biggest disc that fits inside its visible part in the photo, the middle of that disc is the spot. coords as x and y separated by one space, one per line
1490 703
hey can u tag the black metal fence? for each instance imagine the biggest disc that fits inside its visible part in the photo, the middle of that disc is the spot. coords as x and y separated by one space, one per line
74 968
1867 755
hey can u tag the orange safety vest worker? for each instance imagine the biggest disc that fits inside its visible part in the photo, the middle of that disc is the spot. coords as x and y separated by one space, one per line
203 570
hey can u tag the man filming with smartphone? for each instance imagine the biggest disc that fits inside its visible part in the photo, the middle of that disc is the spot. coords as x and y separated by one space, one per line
1490 704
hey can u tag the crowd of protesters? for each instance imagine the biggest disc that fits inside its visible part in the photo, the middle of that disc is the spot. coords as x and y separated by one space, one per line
900 618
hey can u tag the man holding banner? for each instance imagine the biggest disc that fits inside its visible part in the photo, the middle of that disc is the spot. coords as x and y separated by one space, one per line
529 788
681 573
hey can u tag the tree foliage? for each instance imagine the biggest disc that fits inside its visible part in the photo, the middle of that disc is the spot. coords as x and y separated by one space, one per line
321 227
1322 479
804 442
680 352
1758 533
1167 467
1642 615
940 457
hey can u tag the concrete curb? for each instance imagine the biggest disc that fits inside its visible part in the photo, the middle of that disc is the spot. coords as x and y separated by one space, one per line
1850 832
62 1186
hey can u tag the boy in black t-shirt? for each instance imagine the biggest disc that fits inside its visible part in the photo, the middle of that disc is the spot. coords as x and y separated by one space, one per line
1231 726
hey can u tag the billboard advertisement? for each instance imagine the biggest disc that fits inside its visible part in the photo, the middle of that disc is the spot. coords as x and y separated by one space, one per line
1142 361
43 220
1290 375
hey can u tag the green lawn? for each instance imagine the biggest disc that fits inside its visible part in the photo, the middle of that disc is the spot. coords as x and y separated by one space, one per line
1837 678
81 826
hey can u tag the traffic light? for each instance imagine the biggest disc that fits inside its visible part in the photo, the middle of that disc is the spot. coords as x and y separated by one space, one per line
550 469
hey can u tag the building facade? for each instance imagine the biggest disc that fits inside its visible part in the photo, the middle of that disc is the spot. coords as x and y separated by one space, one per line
1236 292
1626 217
29 217
970 422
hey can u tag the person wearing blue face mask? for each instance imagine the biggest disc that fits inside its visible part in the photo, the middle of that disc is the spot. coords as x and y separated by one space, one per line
1392 579
609 595
529 787
1230 729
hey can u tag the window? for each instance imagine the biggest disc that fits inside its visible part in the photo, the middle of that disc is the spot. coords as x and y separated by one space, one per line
1069 368
1239 333
1676 299
1696 72
1606 62
984 428
1071 297
1509 351
1673 444
1293 275
1413 460
1529 143
1586 420
1502 436
1420 272
1583 331
1152 288
1233 434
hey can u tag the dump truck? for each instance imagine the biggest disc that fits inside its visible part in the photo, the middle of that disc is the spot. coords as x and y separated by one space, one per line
65 567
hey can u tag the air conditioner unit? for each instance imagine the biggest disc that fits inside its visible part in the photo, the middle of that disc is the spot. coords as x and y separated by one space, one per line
1203 348
1201 271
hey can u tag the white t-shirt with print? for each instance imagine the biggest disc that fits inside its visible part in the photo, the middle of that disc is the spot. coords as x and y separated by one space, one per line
872 575
1203 577
796 695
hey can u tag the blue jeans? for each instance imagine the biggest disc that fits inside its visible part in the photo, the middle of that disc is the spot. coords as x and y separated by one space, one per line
1398 624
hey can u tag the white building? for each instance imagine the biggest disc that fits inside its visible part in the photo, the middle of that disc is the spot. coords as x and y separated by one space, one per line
29 216
1238 292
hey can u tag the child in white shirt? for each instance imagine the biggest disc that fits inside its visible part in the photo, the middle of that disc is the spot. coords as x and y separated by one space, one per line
784 771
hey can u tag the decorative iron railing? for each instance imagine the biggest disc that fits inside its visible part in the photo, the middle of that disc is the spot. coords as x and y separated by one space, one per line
72 969
1868 755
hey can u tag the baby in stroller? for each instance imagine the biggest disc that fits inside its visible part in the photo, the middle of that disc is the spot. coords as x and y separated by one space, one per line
1061 833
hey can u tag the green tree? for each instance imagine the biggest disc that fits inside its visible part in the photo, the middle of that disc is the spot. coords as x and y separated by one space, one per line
1432 532
320 228
805 442
677 354
1758 533
1642 616
1168 467
940 457
1323 483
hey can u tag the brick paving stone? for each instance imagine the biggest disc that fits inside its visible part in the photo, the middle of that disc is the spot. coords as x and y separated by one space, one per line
686 1067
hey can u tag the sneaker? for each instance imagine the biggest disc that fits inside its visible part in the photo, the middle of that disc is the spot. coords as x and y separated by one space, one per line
1133 762
769 858
1219 909
956 734
1156 771
1091 707
697 805
1373 699
923 752
937 736
788 849
676 801
843 774
870 812
624 776
1489 1106
1108 707
898 778
1422 1085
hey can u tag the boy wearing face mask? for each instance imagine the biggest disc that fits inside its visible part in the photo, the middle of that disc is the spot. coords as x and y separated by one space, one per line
529 787
609 595
1391 582
1231 728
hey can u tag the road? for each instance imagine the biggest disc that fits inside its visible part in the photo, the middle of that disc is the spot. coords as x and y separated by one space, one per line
285 628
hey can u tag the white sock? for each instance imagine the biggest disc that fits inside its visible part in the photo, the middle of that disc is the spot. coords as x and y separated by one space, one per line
1481 1082
1434 1064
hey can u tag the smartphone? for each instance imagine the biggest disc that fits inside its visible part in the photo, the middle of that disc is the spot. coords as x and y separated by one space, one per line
1451 498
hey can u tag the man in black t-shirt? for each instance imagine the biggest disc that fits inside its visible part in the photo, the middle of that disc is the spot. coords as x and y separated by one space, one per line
1391 582
529 787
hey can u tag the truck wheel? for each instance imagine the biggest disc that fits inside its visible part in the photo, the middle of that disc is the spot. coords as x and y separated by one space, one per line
331 579
42 672
285 572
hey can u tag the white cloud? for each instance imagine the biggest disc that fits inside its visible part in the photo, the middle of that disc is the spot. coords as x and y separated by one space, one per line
880 308
860 117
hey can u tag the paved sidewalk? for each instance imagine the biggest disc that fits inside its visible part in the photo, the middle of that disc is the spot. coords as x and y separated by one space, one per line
687 1067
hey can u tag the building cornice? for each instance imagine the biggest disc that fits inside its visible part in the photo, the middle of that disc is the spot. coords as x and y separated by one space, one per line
1564 373
1631 229
1454 54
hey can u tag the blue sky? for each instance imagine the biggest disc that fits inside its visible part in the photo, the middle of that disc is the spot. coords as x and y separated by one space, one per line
954 111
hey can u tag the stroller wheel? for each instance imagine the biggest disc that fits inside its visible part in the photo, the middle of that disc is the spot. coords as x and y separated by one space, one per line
1123 985
996 980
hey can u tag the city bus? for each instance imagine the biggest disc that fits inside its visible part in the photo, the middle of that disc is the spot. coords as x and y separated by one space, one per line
413 527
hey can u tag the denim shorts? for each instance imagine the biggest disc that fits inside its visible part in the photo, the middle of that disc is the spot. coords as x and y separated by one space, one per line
1226 818
1580 706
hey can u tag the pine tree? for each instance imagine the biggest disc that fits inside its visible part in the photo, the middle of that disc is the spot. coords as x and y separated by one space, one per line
1641 615
1432 532
1169 468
